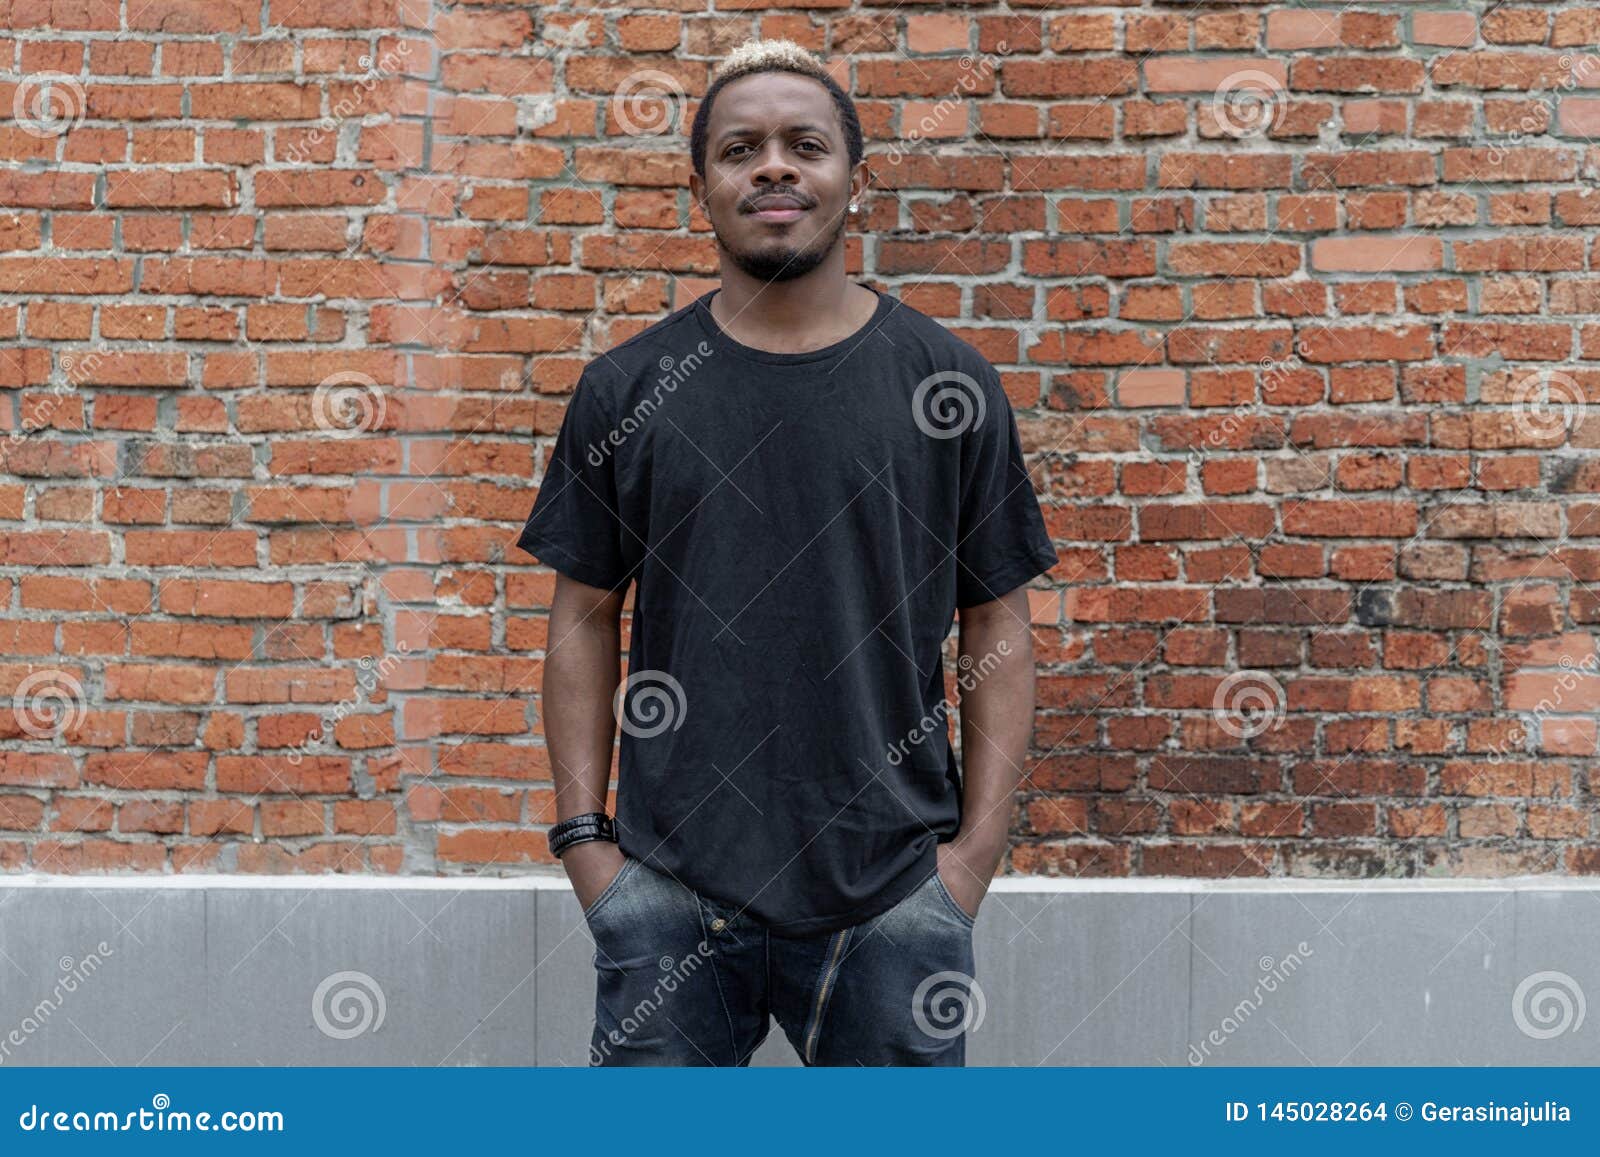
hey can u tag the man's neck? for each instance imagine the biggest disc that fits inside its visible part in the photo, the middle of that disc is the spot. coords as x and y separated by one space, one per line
806 313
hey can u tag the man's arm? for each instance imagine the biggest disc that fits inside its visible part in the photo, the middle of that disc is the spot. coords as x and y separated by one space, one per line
581 673
996 725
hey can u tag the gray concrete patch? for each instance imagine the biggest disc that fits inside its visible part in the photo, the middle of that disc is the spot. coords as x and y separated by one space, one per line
299 971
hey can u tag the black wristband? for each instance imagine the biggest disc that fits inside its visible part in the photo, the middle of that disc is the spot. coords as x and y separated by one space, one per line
579 829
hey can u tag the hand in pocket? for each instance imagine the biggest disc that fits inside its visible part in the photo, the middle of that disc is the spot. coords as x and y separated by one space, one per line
592 866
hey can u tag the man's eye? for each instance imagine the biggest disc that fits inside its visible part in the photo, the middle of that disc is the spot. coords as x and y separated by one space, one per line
735 150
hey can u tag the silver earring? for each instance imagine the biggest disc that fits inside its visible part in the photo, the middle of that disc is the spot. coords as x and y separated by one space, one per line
853 208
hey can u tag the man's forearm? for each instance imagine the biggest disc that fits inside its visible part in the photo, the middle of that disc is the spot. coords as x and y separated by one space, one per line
581 673
996 725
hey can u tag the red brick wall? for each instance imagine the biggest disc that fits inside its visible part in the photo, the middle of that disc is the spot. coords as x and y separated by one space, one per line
1297 308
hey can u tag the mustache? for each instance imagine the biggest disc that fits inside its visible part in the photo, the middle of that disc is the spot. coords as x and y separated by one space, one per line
751 204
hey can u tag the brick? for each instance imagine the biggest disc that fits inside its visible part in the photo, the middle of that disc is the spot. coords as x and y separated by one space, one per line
1377 254
1446 29
1271 381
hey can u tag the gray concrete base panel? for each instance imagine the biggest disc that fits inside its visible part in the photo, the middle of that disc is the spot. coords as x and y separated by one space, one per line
128 972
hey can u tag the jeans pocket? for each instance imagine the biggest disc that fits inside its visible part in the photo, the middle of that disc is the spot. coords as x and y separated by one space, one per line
950 901
629 864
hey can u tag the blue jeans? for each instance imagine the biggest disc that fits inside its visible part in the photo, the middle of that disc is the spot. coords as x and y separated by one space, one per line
686 980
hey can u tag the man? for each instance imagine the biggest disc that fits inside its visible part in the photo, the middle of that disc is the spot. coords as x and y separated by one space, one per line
806 479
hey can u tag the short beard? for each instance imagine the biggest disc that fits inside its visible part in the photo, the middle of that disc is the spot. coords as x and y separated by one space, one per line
772 265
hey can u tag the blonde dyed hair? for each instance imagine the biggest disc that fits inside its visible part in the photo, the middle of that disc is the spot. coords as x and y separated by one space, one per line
756 56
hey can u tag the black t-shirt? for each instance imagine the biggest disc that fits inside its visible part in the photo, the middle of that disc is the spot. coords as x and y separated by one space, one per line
802 528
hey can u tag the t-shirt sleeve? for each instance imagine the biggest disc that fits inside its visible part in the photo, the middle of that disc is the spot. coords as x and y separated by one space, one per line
1002 540
576 527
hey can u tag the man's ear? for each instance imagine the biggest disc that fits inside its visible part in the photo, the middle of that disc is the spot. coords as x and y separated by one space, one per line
860 182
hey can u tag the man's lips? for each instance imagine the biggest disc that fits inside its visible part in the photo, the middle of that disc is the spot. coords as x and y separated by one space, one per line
778 209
